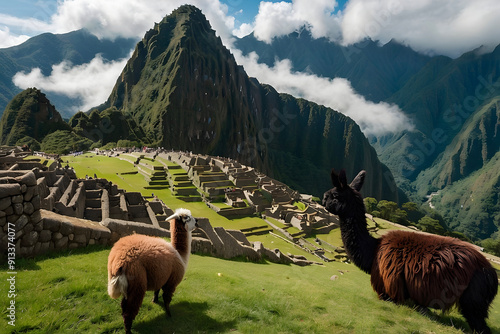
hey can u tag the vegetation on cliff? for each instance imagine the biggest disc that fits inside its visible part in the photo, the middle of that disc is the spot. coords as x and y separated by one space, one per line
29 117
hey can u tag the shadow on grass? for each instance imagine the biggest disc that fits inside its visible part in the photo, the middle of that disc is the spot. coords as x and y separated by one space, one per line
453 320
187 317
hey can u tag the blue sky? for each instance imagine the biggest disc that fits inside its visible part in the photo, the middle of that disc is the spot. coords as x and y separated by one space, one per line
243 10
449 27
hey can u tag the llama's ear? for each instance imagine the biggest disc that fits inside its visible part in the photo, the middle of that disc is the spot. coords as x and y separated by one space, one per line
358 181
335 179
342 179
174 216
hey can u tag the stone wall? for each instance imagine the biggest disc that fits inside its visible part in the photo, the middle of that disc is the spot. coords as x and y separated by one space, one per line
20 210
38 230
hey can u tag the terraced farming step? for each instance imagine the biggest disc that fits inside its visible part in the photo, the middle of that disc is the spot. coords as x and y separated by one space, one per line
257 230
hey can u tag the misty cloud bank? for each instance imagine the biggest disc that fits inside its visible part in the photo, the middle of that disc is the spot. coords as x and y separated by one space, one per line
91 83
429 26
338 94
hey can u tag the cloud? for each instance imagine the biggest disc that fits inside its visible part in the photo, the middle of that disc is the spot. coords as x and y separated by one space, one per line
283 18
91 82
429 26
244 30
7 39
132 18
25 25
436 26
111 18
338 94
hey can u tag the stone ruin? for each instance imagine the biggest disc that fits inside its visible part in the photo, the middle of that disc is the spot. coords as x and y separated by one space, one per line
50 209
237 184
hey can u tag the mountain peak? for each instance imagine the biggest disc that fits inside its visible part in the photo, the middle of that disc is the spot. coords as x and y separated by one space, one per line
29 114
186 91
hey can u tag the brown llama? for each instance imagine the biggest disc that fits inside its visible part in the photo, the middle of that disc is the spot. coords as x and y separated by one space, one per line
138 263
432 271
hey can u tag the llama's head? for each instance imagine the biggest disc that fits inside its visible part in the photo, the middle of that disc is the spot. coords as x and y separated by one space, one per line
342 197
184 215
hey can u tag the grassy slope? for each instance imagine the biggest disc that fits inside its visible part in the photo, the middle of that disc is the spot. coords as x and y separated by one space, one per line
246 298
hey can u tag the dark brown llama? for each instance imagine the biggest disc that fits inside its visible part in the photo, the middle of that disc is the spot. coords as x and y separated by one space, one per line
433 271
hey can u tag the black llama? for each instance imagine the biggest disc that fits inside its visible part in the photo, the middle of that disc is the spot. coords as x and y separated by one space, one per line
433 271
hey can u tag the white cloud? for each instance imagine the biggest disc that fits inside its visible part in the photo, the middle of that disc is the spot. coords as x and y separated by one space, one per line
373 118
7 39
283 18
91 83
243 30
132 18
449 27
26 26
114 18
437 26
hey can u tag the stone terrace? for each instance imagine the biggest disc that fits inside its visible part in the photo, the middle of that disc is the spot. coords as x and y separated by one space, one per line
44 209
247 192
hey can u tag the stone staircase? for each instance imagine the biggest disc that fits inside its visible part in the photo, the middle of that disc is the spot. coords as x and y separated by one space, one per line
93 209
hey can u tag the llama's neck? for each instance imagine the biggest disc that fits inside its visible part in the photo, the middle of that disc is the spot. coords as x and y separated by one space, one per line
181 240
359 244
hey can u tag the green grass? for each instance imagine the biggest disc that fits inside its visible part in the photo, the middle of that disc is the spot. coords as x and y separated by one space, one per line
44 161
301 206
166 162
66 293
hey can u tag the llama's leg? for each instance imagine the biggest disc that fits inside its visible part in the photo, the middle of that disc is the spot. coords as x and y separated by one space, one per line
130 308
155 298
476 299
168 292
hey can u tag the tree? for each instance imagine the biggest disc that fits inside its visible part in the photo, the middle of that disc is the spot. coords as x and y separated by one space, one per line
387 209
491 246
370 204
428 224
399 216
410 206
413 212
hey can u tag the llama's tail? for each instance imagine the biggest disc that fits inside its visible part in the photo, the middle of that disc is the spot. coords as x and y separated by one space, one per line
117 285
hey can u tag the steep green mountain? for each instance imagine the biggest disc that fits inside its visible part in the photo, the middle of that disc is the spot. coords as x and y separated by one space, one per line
472 204
467 175
440 99
45 50
185 90
375 71
470 150
452 103
29 117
